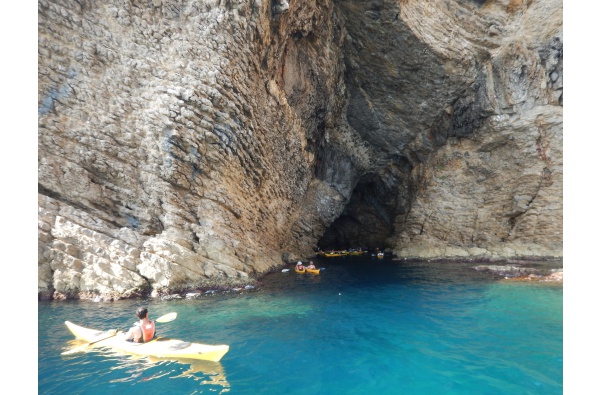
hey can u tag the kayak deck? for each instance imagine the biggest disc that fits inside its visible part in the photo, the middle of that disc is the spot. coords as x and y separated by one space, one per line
160 347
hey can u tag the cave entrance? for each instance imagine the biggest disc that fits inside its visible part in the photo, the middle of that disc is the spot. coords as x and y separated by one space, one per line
369 218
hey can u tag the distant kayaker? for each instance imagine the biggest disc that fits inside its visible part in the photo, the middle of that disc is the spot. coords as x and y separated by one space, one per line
311 266
142 331
299 266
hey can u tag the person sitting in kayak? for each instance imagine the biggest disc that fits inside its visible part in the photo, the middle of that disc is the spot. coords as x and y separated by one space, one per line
142 331
311 266
299 266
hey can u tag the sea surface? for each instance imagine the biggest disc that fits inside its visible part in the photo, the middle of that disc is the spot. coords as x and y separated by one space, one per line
362 326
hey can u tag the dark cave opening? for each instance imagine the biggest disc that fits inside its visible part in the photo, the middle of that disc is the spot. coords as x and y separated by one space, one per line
370 217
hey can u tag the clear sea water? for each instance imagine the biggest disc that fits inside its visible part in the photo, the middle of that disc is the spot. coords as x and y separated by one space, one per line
362 326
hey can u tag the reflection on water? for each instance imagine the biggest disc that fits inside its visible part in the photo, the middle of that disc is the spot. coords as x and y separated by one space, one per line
131 368
207 372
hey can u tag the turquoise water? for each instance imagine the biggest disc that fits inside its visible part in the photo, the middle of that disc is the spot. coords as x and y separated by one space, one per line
363 326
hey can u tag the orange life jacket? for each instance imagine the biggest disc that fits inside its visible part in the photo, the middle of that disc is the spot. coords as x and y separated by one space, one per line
147 331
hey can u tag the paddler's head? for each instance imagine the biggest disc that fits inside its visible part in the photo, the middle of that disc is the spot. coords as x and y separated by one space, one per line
141 313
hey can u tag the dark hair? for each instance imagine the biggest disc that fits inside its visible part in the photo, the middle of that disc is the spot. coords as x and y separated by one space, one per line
141 313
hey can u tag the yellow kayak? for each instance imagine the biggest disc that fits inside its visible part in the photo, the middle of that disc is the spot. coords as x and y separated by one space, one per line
335 254
300 271
313 271
160 347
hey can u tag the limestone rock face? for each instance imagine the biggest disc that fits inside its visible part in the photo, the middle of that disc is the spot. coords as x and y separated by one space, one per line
462 101
188 144
177 140
494 189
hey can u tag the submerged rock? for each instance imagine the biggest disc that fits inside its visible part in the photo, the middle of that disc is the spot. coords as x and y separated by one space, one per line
521 273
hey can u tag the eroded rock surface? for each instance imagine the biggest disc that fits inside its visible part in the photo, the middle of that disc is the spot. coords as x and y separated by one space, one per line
189 144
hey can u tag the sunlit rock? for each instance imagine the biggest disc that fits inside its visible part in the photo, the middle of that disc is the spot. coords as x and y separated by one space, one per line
190 145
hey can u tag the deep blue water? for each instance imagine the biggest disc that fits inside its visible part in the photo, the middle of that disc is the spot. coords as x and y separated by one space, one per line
363 326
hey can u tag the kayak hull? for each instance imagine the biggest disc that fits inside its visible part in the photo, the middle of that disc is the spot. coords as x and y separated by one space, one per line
313 271
300 271
160 347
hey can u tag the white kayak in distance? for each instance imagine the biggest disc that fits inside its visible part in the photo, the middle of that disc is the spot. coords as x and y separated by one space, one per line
160 347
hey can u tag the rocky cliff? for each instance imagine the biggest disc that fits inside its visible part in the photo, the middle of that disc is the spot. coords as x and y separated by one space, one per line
189 144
